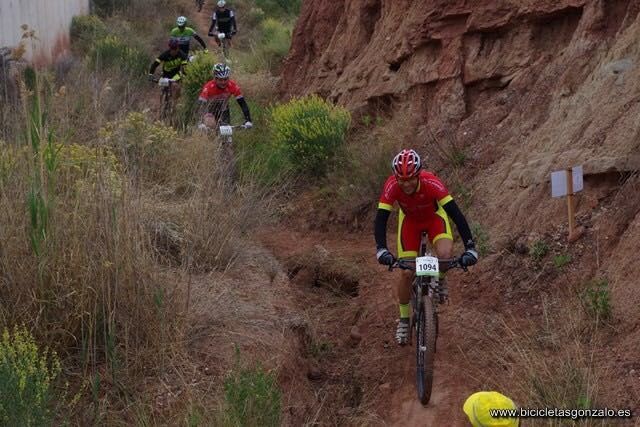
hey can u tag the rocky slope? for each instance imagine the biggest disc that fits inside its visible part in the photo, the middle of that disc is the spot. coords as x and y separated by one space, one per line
521 89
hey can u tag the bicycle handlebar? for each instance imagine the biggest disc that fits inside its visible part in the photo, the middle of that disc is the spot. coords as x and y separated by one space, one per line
448 263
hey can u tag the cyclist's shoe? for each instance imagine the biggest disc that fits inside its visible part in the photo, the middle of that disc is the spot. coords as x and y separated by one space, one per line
402 332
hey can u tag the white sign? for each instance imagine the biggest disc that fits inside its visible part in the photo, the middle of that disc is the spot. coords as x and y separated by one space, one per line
559 182
427 266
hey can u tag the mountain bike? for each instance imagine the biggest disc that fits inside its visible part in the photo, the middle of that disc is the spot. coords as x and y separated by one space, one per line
427 291
225 43
226 157
166 97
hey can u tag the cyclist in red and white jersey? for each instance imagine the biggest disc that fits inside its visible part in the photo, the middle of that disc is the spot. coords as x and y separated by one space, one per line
215 96
425 205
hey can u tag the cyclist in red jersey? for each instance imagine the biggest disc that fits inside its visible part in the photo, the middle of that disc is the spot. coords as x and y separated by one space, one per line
425 205
215 96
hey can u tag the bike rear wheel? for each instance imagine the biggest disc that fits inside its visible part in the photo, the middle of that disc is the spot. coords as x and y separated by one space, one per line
425 348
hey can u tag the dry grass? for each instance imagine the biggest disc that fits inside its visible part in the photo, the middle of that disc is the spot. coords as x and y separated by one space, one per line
539 364
97 287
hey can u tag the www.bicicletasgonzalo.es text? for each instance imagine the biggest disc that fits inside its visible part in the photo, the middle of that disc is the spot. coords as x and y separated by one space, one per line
573 414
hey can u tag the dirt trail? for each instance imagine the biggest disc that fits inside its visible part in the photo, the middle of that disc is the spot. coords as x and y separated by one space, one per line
385 370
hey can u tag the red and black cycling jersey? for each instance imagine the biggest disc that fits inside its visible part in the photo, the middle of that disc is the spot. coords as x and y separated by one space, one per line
217 99
211 91
423 203
420 207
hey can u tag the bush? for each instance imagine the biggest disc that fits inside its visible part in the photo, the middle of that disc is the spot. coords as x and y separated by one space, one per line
145 149
561 260
196 75
26 380
85 30
280 7
252 398
539 250
113 53
596 300
108 7
275 41
482 239
310 130
84 167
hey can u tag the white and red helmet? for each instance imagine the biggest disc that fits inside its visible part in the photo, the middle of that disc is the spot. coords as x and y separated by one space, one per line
406 164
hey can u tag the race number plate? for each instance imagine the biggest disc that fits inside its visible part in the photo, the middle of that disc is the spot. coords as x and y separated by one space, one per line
163 82
226 130
427 266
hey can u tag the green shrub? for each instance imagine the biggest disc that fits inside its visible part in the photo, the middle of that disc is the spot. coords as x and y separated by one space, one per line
596 299
84 167
481 238
197 73
113 53
109 7
146 149
539 250
275 41
310 130
252 398
561 260
280 7
85 30
26 380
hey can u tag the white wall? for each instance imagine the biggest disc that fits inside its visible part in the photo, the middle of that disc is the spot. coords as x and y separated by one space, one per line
49 18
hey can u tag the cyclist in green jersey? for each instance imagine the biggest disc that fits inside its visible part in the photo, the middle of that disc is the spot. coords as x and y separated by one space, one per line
183 34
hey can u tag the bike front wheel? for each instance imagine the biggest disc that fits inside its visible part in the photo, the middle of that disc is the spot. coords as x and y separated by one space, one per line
425 348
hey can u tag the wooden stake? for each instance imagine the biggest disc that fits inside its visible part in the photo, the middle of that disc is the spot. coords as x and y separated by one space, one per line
574 232
572 224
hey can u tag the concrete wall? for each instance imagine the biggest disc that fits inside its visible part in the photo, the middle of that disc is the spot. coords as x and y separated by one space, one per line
49 18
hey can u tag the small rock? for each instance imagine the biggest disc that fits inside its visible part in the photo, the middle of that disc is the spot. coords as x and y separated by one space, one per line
344 412
385 386
521 248
315 373
355 334
633 371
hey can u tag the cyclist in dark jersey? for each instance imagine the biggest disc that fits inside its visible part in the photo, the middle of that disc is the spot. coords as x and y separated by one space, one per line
223 20
215 96
425 205
172 61
184 35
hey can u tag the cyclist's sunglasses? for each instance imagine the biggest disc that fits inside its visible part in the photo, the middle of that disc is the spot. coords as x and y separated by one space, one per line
410 179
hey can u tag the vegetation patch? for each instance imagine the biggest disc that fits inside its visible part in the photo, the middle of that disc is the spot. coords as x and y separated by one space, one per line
27 377
311 132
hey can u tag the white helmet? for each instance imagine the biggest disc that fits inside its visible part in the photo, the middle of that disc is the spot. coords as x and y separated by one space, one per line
222 3
181 21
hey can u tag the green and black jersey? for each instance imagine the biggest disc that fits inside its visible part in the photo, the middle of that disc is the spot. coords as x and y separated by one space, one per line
171 65
183 35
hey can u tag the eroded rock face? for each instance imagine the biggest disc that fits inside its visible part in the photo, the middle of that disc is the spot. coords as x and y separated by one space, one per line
522 87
